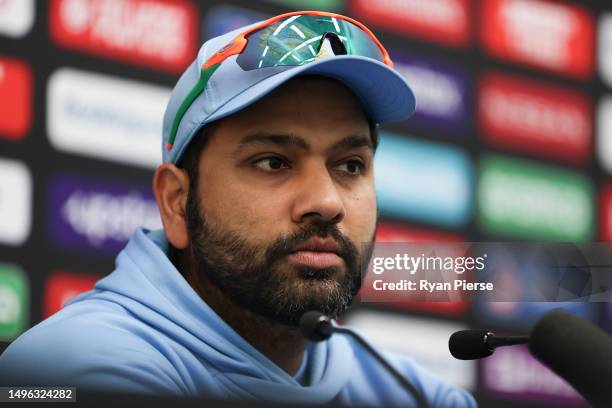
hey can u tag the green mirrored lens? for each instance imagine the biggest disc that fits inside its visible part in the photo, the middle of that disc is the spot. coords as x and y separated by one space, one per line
296 41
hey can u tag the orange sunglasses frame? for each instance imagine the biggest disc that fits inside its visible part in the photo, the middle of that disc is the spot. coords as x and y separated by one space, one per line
239 43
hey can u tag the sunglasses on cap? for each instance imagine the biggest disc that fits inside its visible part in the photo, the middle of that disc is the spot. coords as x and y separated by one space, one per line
289 39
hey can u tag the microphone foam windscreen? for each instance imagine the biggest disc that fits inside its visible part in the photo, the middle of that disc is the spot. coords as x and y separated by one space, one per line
311 325
578 351
469 345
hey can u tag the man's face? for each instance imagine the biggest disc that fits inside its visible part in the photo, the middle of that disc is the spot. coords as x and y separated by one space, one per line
285 202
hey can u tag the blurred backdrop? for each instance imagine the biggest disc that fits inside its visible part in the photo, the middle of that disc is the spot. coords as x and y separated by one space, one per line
512 140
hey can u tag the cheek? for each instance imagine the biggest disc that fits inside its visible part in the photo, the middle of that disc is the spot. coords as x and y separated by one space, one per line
360 220
233 207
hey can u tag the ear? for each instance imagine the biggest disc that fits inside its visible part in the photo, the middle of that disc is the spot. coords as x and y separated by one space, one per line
171 188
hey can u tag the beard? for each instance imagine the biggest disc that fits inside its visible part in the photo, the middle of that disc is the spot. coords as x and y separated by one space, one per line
261 279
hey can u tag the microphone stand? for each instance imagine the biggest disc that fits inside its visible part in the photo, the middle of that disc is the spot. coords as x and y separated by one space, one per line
418 396
492 341
323 329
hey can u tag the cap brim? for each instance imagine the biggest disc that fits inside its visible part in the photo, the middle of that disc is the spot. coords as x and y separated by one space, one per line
384 93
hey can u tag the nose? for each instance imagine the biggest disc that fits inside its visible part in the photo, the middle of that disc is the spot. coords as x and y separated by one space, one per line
317 196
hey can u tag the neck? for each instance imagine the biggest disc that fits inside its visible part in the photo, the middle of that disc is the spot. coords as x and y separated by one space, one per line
283 345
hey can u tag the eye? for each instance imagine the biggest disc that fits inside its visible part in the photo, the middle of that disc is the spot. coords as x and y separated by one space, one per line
271 163
352 167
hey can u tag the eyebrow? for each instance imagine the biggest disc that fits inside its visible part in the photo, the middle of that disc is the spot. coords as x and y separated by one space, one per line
289 140
353 142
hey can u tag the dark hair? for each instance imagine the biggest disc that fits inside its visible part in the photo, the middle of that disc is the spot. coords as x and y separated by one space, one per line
191 158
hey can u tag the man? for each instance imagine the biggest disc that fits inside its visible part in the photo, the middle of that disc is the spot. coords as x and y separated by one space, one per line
267 199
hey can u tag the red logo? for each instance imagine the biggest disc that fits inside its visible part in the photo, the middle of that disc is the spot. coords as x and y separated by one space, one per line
389 232
527 116
63 286
15 98
444 21
550 35
605 213
160 34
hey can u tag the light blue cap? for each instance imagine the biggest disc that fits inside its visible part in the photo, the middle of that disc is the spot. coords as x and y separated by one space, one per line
384 93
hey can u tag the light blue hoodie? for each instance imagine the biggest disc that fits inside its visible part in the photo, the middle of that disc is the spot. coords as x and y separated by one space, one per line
143 329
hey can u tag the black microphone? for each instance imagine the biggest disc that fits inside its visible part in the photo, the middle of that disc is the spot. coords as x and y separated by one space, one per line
578 351
473 344
316 326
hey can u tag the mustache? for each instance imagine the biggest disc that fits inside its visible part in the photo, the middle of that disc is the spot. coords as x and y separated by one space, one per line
285 245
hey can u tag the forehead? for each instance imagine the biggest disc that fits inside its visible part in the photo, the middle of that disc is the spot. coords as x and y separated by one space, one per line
318 109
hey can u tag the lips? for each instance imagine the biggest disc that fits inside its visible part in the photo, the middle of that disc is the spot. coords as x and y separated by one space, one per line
319 245
317 253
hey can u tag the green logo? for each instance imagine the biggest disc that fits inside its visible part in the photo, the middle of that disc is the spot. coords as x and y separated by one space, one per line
14 301
523 199
329 5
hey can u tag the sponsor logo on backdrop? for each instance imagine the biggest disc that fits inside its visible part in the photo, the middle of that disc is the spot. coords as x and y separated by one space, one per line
441 91
64 286
605 212
159 34
604 133
14 301
522 199
99 215
395 232
545 34
604 48
400 233
225 18
15 202
423 181
106 117
513 373
527 116
15 98
16 17
444 21
312 4
423 339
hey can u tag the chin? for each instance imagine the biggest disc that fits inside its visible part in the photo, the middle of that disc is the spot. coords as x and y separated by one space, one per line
316 293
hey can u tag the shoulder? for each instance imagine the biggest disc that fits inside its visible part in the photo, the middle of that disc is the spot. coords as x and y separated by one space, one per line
91 344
